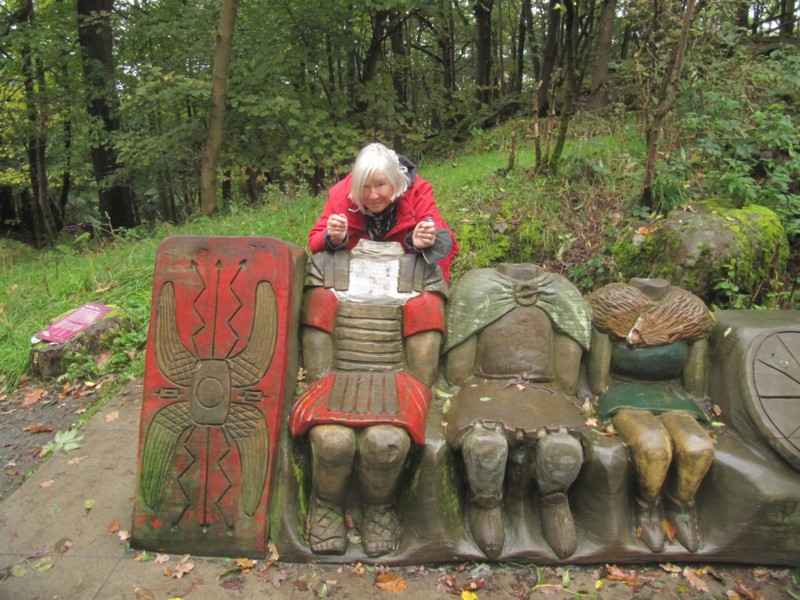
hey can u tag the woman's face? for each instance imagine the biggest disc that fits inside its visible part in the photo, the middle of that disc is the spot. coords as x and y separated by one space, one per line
377 193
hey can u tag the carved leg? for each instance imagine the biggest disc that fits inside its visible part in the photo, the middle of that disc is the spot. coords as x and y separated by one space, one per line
332 450
558 461
651 448
383 450
694 453
485 454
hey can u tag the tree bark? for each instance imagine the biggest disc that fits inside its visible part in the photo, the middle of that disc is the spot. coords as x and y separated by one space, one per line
602 56
483 50
549 55
117 202
216 111
667 95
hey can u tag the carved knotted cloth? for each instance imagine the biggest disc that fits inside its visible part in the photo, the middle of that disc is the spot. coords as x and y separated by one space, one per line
484 295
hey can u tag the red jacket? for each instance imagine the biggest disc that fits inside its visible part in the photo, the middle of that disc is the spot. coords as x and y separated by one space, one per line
413 206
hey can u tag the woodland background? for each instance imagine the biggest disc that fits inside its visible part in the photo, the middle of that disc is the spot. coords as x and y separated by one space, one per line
110 110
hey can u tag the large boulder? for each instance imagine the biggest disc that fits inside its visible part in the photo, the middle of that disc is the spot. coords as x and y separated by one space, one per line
709 248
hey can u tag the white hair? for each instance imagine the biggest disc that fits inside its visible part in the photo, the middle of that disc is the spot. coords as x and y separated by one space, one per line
377 158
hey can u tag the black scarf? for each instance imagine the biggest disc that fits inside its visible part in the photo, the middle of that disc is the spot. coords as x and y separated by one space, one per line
379 224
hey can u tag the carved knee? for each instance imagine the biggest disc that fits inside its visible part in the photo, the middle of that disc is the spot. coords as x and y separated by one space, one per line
332 445
383 445
485 455
559 457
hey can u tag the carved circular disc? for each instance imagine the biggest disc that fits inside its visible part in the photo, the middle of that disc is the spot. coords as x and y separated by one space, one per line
775 382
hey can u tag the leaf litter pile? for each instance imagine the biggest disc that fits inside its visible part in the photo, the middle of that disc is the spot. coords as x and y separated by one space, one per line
38 419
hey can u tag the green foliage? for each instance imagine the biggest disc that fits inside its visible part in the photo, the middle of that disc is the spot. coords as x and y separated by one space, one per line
743 146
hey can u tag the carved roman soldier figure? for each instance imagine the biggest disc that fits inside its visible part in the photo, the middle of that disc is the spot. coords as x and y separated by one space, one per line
649 363
372 326
515 337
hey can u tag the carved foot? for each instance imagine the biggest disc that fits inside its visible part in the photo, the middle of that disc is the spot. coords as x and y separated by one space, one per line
486 525
683 517
558 525
379 530
327 532
648 523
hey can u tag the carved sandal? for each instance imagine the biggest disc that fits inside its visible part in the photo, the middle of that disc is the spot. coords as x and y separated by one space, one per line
327 533
379 530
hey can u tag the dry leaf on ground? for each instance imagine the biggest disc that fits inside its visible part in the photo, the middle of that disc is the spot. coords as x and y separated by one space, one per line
38 428
112 416
390 582
694 580
33 396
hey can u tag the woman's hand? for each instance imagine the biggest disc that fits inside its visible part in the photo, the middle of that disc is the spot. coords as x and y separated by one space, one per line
424 235
336 228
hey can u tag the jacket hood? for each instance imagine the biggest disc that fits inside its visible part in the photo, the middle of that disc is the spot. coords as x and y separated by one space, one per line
411 169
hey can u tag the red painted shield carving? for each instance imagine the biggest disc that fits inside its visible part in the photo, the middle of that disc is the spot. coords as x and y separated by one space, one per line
221 364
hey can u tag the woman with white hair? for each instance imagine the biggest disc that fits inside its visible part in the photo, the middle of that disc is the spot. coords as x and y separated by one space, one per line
384 200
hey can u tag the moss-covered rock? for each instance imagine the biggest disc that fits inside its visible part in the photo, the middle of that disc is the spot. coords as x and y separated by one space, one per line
706 244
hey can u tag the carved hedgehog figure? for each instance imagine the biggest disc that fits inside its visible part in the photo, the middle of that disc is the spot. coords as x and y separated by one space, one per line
624 312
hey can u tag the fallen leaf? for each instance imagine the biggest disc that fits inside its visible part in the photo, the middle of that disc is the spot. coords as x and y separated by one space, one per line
33 396
77 460
274 556
88 505
103 357
62 546
670 568
694 580
591 422
278 579
390 582
47 484
630 578
741 590
183 567
113 527
467 595
112 416
143 593
245 564
358 569
669 529
38 428
123 535
161 558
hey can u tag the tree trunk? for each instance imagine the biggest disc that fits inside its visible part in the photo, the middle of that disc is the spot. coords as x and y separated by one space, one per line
668 93
602 55
216 111
549 55
34 85
117 202
525 20
483 50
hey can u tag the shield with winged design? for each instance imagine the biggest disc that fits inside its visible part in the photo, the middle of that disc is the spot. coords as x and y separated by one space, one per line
221 362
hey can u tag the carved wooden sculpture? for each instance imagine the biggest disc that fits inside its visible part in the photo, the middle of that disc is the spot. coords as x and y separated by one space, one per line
372 327
648 336
515 337
219 362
